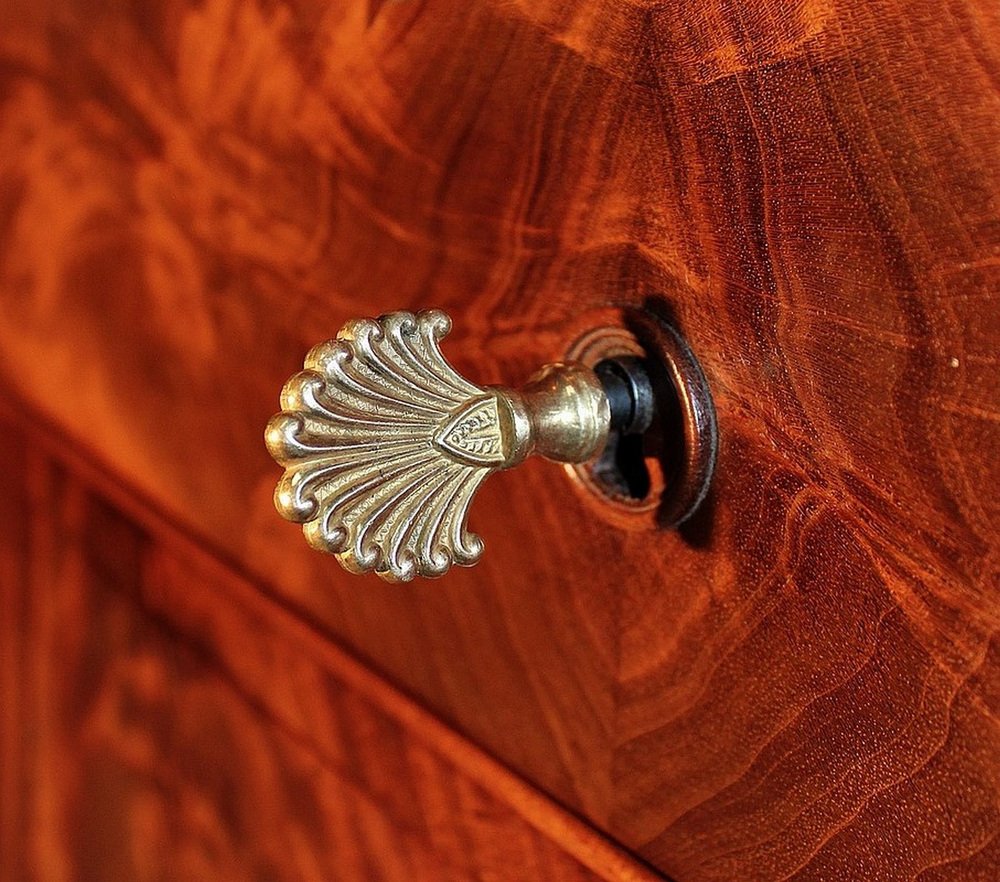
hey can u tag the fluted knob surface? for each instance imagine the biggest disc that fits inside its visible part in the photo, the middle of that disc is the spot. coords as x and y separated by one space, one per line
384 444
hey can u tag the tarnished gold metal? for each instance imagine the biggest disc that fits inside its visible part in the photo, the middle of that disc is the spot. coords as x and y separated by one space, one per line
384 445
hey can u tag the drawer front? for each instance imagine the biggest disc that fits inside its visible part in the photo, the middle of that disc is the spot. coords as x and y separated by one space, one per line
163 720
802 681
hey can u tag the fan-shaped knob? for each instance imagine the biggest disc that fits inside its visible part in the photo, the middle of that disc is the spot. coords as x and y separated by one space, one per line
384 444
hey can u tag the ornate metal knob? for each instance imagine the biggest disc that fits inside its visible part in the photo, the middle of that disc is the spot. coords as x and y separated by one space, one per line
384 445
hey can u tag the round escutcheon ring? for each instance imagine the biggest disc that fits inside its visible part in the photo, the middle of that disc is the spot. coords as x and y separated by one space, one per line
679 449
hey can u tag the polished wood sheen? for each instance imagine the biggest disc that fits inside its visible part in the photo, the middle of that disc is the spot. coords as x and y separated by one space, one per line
804 681
163 720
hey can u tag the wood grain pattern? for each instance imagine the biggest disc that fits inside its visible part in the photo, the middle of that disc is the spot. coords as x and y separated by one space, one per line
803 684
173 724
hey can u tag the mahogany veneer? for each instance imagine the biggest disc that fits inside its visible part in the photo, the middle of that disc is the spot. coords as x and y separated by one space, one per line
803 682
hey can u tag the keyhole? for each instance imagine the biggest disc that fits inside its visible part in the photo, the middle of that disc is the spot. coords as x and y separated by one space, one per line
621 470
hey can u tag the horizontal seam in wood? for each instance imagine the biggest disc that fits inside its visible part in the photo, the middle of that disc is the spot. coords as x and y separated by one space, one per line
588 845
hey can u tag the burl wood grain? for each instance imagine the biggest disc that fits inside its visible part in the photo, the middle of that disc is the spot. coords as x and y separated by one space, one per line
162 721
804 682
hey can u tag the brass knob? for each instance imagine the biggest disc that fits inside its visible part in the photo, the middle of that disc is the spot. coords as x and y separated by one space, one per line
384 445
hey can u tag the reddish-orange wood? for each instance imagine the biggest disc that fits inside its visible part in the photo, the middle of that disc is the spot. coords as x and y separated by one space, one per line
802 683
163 720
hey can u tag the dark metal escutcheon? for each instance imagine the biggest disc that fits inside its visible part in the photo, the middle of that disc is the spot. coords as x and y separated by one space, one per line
678 449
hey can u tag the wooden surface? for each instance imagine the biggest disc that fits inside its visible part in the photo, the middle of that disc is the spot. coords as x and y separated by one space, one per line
163 720
803 684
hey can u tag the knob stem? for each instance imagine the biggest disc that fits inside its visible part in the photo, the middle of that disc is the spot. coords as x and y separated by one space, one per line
562 413
630 393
